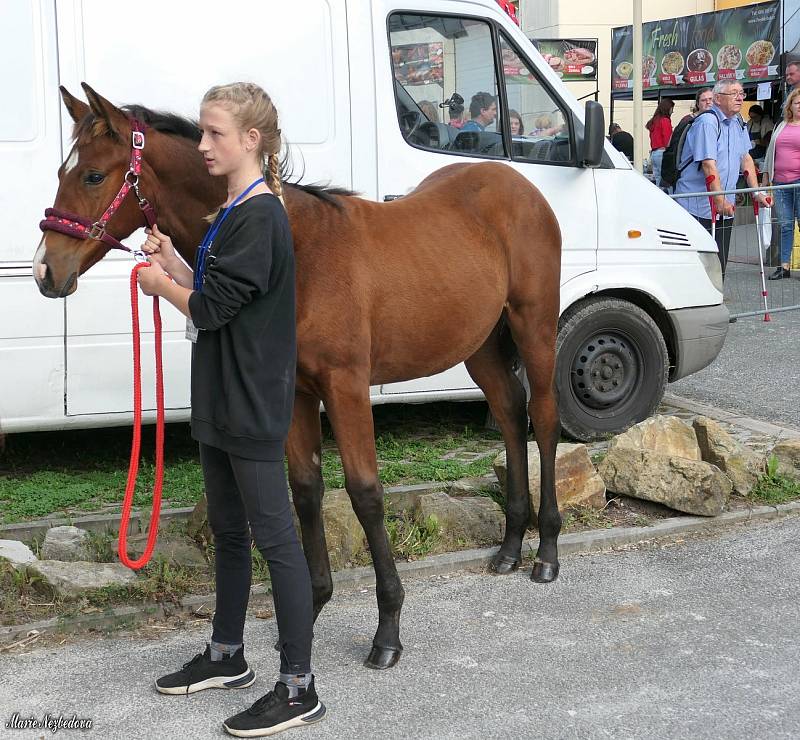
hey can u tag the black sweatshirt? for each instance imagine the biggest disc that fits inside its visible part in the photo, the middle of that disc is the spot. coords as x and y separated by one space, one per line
243 363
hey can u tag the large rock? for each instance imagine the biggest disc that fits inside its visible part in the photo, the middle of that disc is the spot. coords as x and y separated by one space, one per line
17 553
66 543
692 486
71 580
465 520
665 434
346 540
788 456
577 482
743 466
174 549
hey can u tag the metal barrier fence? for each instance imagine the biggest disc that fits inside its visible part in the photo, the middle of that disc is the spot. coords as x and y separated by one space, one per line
753 237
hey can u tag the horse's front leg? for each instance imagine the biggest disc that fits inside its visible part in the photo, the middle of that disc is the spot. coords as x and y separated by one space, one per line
303 451
348 406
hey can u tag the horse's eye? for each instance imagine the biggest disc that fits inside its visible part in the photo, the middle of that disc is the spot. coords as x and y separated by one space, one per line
94 178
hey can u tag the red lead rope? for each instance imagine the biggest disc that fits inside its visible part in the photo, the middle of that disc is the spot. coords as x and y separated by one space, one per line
133 467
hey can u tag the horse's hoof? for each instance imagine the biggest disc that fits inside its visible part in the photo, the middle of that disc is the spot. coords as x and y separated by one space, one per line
503 564
381 658
544 572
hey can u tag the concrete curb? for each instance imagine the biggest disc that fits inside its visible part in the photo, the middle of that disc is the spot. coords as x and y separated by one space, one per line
569 544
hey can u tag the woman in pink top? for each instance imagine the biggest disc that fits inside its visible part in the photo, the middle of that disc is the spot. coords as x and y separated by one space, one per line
660 128
783 168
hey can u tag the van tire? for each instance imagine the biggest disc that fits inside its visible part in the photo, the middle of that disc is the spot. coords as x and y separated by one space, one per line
623 349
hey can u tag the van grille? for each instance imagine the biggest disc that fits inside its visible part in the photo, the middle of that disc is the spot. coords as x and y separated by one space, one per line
673 238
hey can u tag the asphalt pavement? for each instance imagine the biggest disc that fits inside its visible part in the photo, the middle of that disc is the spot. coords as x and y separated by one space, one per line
757 373
695 638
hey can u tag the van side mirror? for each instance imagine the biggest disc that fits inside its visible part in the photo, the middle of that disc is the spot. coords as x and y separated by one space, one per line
593 135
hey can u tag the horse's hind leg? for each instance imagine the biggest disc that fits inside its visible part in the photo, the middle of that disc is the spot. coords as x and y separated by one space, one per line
534 327
491 368
348 407
303 450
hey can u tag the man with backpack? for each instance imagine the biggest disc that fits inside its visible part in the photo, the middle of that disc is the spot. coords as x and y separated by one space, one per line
716 149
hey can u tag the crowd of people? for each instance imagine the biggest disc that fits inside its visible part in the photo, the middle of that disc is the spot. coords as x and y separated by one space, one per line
712 151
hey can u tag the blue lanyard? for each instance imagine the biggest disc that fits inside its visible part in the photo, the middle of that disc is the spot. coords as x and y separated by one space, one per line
202 252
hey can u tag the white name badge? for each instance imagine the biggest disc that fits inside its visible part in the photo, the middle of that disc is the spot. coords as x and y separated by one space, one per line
191 330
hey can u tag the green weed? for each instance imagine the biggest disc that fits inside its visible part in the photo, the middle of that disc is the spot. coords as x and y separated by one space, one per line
411 539
774 488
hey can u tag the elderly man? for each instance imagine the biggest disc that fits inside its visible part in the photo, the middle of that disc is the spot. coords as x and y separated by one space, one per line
717 147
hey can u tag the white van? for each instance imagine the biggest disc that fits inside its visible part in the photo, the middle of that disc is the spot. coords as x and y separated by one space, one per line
641 296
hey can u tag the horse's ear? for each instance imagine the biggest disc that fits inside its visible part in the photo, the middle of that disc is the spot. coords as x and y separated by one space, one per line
116 120
75 107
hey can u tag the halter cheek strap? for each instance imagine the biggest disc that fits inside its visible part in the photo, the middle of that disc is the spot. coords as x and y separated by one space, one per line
82 228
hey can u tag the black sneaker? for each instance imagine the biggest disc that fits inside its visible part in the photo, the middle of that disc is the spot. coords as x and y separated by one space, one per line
232 672
276 712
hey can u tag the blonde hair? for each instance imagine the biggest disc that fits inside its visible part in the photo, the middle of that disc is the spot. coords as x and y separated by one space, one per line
788 116
251 107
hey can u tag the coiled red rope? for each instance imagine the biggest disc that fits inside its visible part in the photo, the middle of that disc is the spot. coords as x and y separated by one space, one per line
133 466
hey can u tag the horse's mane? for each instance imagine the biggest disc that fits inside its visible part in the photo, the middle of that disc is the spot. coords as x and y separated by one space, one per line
175 125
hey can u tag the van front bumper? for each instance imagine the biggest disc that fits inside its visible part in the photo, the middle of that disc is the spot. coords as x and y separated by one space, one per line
699 335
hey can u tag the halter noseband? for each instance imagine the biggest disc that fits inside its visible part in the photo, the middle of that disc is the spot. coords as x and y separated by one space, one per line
82 228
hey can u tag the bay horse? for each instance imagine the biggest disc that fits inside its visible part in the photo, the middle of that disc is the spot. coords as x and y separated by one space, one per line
377 302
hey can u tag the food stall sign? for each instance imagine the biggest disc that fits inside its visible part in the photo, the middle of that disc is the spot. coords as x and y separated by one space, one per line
736 44
570 59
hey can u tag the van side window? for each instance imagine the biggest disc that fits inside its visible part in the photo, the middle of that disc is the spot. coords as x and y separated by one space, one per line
445 82
537 122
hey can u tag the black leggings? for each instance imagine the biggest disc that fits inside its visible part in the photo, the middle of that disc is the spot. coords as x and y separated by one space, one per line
239 491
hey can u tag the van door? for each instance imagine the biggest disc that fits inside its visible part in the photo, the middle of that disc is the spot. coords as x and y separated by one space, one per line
446 86
31 327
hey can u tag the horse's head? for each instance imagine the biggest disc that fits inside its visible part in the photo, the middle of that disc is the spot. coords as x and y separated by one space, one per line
88 182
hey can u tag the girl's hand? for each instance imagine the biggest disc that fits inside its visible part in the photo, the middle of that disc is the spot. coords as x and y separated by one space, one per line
158 247
153 280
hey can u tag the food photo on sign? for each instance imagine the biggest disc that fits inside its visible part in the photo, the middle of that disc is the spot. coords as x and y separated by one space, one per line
570 59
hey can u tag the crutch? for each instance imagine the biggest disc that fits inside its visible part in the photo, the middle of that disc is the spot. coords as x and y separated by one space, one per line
709 180
760 253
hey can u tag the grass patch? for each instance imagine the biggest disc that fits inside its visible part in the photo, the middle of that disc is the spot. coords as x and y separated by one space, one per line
773 488
73 472
411 539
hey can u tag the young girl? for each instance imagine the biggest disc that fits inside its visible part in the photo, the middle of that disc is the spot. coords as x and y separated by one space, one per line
240 308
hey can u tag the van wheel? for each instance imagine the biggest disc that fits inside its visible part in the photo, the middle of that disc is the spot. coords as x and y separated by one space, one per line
611 367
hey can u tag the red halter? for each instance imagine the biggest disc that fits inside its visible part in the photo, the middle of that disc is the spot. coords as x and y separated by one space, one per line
83 228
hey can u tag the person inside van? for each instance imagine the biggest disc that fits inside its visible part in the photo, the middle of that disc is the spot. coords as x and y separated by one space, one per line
515 122
455 111
429 110
483 109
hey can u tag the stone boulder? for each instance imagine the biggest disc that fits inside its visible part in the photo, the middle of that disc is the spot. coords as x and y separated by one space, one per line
577 482
667 435
70 580
788 456
743 466
174 549
197 526
346 540
66 543
470 520
691 486
17 553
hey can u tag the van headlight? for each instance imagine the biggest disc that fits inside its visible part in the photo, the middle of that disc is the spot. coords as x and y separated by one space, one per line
710 261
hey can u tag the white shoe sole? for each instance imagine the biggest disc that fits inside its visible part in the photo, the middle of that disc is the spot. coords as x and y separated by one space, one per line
248 678
315 715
